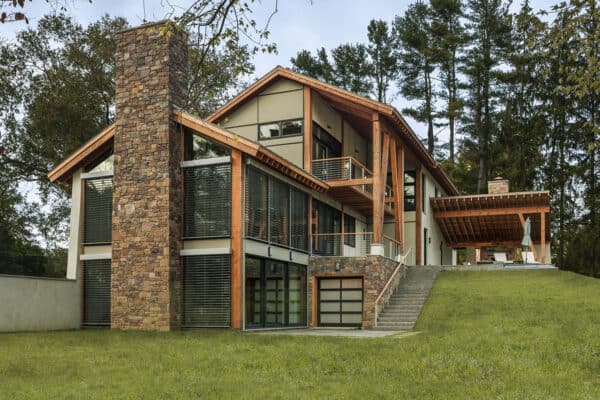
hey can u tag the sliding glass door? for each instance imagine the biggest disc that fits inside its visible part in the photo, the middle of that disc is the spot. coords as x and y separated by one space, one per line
275 293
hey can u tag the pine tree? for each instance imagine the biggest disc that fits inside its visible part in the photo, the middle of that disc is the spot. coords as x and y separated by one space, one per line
417 61
380 49
488 26
449 39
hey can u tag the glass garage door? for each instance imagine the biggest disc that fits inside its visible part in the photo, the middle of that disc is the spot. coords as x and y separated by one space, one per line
340 301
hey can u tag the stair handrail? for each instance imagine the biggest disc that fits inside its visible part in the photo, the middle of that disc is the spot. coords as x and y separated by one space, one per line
401 267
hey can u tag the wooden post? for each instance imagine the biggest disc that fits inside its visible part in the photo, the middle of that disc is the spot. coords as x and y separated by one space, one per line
543 237
396 193
377 192
308 136
236 239
418 215
400 168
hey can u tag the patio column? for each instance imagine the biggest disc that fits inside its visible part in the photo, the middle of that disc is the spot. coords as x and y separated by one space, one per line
236 238
418 215
376 245
543 237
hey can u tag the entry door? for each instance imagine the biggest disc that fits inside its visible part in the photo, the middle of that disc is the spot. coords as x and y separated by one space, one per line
340 301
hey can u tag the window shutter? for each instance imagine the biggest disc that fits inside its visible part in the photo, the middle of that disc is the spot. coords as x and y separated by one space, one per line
299 220
96 288
256 205
98 211
207 201
206 291
279 206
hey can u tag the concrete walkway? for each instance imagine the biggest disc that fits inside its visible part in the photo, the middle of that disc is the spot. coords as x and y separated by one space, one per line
338 332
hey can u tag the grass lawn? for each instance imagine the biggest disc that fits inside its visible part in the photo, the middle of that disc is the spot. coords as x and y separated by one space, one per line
485 335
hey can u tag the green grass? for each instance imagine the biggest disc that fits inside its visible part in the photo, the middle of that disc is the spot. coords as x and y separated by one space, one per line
485 335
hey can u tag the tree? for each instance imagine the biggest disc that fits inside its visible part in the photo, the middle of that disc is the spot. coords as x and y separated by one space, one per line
449 39
417 62
488 26
381 51
350 67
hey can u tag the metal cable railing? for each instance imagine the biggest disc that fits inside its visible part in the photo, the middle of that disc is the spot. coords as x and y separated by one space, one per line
340 169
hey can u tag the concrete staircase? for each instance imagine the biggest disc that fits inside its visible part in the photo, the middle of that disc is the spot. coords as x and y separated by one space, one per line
404 307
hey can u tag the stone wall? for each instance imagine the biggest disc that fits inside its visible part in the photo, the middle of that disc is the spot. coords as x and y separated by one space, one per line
376 270
151 78
498 186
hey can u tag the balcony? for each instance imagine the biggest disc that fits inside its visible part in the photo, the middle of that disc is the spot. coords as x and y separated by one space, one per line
352 244
350 181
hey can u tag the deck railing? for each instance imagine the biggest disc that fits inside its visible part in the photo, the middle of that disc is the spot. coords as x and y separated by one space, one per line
342 169
349 244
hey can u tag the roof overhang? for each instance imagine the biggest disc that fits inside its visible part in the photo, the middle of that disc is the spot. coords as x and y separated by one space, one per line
356 103
492 220
250 148
84 155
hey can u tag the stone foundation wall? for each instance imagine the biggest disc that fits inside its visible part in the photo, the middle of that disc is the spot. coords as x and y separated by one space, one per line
151 78
376 270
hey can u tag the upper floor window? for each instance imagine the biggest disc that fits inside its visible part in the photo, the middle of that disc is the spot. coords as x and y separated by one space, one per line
198 148
97 201
207 189
409 191
349 227
280 129
275 212
98 211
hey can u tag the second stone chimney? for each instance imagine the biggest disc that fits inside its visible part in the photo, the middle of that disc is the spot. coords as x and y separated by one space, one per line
498 185
151 78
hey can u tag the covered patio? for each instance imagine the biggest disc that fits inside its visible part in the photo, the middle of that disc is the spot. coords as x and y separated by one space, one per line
495 220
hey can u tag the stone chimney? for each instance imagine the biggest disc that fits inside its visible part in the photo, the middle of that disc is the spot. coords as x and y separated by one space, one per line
151 78
498 185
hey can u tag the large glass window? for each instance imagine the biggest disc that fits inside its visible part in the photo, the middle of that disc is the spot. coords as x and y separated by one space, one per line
280 128
275 211
409 191
198 148
349 227
275 293
98 211
207 201
279 212
206 291
207 189
327 223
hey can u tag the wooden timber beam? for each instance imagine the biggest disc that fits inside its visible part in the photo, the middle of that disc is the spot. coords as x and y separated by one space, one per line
418 214
543 237
490 212
308 134
398 209
351 182
237 250
483 244
400 198
377 188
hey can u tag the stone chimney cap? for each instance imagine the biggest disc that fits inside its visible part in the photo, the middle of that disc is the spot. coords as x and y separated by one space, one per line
499 178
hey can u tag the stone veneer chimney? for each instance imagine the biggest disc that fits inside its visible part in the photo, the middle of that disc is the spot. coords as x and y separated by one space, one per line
151 78
498 185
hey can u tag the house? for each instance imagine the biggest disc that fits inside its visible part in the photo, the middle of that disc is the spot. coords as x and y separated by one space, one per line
289 206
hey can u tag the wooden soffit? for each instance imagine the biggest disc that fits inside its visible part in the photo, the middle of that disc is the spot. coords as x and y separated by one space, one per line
491 219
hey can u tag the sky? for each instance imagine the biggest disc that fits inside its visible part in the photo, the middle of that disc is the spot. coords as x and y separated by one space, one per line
298 24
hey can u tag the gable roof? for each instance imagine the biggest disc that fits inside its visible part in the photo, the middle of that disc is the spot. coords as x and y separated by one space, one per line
103 141
388 112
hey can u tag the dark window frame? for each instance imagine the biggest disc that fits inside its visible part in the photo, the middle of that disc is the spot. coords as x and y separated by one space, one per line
88 212
408 206
349 240
292 193
280 128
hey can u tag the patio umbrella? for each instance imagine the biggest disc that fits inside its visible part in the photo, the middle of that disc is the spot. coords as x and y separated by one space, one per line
526 242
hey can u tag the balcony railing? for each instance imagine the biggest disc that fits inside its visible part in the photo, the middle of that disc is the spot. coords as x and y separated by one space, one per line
342 169
353 244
